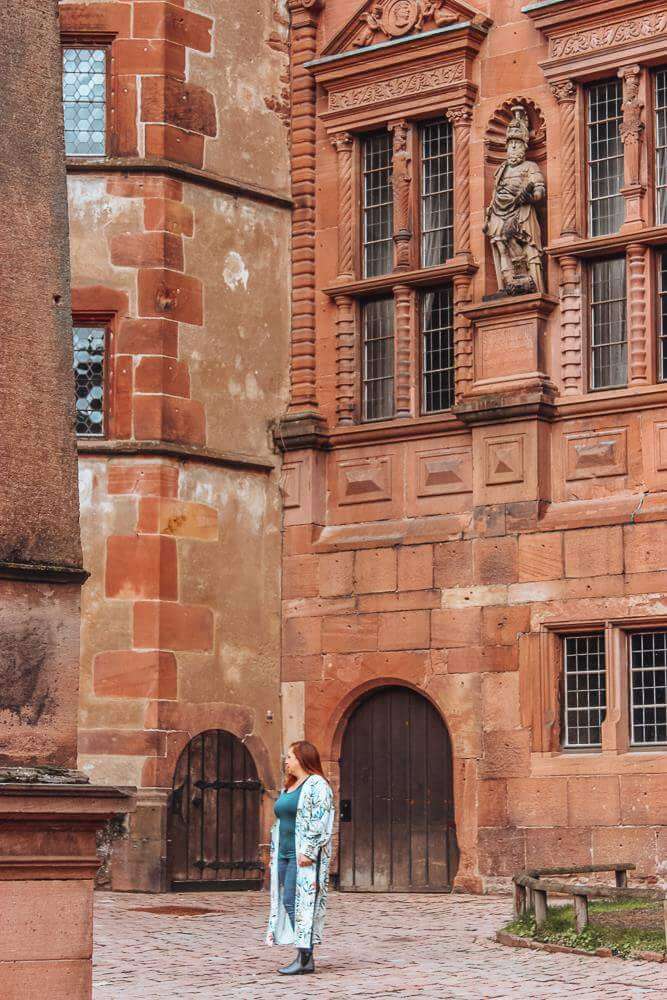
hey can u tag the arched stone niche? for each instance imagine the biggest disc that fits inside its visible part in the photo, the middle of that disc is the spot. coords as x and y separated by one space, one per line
494 155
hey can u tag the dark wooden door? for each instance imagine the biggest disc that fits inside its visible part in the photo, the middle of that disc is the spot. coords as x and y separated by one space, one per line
213 839
397 830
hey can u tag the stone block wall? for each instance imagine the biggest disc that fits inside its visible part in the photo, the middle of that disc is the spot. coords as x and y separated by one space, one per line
180 242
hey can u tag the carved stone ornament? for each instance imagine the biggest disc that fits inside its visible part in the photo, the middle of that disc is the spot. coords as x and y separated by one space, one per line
512 225
389 19
635 29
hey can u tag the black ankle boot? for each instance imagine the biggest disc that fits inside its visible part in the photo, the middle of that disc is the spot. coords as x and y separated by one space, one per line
302 964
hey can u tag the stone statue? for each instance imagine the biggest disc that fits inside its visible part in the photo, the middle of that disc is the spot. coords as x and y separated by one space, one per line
402 182
511 219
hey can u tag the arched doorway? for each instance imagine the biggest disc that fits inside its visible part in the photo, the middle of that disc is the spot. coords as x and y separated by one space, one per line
397 831
214 816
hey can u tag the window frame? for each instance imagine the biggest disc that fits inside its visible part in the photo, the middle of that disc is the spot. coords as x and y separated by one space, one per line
418 201
421 371
590 305
586 92
362 139
97 40
90 320
363 304
549 706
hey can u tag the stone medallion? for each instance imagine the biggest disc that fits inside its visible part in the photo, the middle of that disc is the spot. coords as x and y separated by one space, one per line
399 17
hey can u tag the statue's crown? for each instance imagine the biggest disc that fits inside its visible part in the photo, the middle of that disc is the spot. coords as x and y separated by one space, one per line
518 128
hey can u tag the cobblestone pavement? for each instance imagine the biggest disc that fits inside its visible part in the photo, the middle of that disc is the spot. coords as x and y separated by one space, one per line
377 946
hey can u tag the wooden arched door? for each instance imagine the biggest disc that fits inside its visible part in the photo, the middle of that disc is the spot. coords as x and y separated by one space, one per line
397 831
214 815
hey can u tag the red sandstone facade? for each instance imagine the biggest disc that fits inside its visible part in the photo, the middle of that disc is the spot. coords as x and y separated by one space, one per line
449 553
454 552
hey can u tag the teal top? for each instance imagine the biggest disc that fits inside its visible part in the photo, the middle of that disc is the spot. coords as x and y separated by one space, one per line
286 809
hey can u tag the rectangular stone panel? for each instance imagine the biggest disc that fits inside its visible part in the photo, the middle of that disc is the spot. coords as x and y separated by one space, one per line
49 919
595 454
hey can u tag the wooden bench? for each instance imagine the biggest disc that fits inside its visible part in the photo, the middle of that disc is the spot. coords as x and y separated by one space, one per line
532 887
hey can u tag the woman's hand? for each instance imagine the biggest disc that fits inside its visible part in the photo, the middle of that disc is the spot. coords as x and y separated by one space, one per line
305 861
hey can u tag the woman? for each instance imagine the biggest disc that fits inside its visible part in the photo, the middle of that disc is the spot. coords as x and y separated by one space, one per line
300 856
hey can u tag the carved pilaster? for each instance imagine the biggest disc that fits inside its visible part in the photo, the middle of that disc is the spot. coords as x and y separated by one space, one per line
304 14
571 351
345 359
632 134
344 146
403 340
565 92
461 120
462 337
402 183
637 368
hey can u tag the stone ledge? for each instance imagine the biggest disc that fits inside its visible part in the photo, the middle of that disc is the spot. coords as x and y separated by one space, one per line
180 171
514 941
181 452
42 572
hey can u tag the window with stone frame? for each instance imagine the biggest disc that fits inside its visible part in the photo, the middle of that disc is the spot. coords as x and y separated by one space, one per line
584 696
436 193
91 349
608 324
648 687
604 117
378 359
660 126
662 317
85 98
378 204
437 354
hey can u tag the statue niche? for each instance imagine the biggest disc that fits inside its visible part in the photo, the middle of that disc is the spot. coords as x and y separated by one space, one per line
512 224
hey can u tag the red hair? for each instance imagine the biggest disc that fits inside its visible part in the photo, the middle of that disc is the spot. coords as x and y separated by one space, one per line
309 757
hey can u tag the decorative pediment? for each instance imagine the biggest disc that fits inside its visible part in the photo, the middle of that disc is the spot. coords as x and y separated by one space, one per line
387 20
599 34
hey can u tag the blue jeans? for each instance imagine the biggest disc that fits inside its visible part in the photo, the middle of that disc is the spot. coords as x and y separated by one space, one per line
287 882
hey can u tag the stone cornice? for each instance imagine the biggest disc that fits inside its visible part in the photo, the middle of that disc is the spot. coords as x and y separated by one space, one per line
590 36
181 172
165 449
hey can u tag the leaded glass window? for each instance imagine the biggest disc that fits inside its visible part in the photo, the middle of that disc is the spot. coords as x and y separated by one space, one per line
662 336
661 147
437 194
89 373
378 204
648 687
437 318
605 157
609 348
378 359
585 694
84 99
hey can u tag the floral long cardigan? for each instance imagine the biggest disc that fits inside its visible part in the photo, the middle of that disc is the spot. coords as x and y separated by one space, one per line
313 831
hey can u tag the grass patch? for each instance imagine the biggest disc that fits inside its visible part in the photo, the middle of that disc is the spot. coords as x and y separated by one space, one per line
626 928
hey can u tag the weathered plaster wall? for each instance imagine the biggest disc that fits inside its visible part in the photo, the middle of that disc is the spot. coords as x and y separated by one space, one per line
181 616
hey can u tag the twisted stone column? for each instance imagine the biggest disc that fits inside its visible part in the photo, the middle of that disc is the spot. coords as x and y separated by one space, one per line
463 356
403 303
461 121
344 146
571 352
565 92
304 14
346 367
637 353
